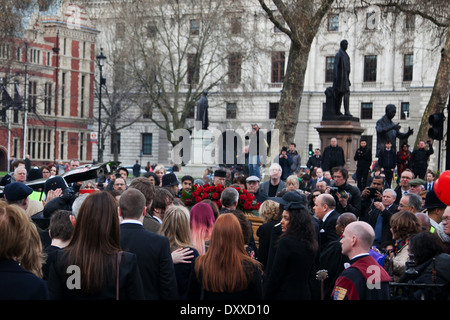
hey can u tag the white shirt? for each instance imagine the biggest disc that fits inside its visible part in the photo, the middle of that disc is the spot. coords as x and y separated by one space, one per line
326 215
131 221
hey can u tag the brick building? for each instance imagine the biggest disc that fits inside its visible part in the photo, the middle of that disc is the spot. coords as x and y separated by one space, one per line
51 63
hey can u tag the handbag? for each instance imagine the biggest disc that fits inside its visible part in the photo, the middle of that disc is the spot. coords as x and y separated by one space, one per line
119 258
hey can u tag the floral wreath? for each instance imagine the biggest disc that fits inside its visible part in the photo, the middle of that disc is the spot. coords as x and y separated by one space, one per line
247 201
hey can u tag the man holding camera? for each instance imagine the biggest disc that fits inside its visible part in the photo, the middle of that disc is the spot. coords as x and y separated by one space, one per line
379 215
419 159
371 194
348 197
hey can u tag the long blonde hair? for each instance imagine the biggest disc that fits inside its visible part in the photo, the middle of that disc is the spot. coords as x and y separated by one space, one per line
176 227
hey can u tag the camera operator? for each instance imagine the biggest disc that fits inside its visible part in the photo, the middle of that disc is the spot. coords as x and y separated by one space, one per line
379 215
372 194
348 197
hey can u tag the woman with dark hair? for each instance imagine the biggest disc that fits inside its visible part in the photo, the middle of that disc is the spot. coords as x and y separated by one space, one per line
153 177
432 266
403 159
404 224
293 264
226 271
95 251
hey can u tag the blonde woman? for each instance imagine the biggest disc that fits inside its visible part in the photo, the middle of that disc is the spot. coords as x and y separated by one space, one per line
269 211
292 183
160 170
176 227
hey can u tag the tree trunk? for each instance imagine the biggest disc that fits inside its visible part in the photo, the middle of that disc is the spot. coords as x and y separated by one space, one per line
440 93
291 95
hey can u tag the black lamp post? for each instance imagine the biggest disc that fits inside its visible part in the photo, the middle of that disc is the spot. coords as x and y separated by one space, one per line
100 63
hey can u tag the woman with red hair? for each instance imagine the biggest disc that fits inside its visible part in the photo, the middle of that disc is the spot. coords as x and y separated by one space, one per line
226 271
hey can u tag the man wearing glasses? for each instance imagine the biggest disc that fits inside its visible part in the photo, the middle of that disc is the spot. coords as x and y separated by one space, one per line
404 186
348 197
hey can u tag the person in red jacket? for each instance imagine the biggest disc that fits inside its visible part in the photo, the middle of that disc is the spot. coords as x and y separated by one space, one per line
364 279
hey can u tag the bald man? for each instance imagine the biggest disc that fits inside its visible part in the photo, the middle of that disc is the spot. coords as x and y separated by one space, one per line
365 279
331 258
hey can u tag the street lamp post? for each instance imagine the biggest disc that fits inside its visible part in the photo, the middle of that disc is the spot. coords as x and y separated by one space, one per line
100 62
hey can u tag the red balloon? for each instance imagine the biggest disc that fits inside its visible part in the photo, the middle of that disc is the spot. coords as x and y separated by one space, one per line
442 187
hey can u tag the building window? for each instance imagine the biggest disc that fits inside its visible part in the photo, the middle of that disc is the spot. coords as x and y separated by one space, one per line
147 143
408 60
16 115
329 69
18 54
120 31
48 143
234 68
117 134
273 110
193 75
82 95
62 143
404 110
32 96
410 20
333 22
366 110
152 29
194 27
370 68
147 111
236 25
39 143
81 155
63 93
277 67
231 110
48 98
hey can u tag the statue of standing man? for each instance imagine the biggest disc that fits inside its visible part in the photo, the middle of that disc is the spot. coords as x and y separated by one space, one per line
202 110
341 79
387 130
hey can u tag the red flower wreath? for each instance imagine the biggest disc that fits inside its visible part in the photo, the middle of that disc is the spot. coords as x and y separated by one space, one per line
247 201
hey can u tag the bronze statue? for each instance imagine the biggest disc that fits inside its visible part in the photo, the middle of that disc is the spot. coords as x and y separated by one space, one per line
387 130
202 110
341 80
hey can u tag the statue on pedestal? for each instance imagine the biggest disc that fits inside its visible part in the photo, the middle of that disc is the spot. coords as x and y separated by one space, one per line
341 79
340 92
202 110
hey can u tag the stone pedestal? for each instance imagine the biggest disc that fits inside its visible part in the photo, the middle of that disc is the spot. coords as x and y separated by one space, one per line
348 134
202 153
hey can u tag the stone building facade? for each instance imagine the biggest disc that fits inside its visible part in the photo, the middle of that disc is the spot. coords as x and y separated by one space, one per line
390 64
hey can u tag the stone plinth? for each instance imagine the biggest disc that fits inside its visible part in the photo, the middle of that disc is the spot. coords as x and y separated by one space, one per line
348 134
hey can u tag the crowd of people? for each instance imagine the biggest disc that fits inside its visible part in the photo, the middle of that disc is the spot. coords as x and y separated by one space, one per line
322 235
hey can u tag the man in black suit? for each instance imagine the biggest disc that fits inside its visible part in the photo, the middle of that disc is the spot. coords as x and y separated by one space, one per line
379 215
429 181
152 250
326 213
